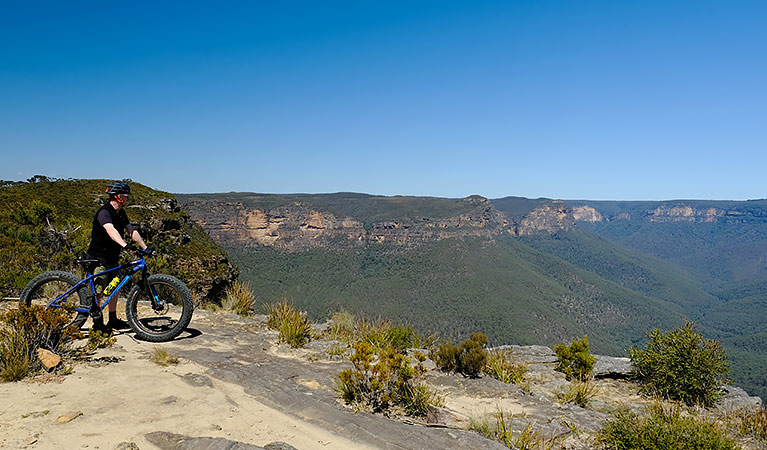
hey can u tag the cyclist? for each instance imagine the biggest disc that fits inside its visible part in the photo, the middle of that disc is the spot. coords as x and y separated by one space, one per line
109 224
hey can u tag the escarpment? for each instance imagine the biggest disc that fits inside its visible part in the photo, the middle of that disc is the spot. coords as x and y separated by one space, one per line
301 225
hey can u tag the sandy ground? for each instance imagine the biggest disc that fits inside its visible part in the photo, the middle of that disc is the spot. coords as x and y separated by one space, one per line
121 402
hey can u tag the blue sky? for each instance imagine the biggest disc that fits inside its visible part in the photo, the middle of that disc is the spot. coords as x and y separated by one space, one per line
563 99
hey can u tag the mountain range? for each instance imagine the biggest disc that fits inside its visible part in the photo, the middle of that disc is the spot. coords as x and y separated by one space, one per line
523 271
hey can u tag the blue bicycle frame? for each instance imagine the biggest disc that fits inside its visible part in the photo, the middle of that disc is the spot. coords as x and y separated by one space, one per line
133 267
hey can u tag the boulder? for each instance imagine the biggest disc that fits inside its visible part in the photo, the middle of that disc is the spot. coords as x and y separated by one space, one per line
612 367
48 359
733 398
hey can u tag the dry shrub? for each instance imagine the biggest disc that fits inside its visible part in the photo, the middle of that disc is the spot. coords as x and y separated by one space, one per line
24 330
385 381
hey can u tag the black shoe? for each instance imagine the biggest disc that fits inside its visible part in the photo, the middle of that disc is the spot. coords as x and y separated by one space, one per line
98 325
117 324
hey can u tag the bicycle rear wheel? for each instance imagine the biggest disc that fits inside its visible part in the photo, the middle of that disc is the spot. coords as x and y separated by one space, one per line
48 286
164 319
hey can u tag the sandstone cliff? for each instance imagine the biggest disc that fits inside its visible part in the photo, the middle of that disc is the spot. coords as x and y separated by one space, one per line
681 211
301 225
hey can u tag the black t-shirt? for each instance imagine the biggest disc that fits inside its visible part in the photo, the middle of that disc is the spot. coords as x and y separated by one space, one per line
102 247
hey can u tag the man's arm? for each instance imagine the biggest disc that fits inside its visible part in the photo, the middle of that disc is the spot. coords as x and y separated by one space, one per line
134 234
114 234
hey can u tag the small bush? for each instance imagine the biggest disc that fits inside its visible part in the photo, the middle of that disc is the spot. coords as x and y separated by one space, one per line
98 339
681 365
161 357
401 337
468 359
24 330
292 325
239 299
390 382
500 367
664 428
579 393
574 360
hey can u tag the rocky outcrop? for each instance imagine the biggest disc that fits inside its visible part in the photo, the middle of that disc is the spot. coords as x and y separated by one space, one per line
548 218
586 214
684 213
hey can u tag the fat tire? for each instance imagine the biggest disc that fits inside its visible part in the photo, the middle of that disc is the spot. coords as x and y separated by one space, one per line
62 276
187 305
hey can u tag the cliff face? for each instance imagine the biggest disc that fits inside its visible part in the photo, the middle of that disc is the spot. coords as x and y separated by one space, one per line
548 218
693 211
299 226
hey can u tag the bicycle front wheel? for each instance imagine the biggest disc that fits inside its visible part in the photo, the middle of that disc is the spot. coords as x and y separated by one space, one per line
48 286
163 318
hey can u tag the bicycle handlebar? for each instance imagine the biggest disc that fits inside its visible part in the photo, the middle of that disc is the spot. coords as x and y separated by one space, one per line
140 251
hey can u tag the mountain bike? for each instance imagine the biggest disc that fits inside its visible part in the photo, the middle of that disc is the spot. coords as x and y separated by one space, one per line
158 307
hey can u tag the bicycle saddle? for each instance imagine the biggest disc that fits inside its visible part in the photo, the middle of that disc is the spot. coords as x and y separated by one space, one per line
88 264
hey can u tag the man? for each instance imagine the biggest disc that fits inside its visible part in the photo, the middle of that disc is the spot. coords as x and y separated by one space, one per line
107 241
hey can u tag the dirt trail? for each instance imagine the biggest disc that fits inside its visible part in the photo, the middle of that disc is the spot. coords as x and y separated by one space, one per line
232 382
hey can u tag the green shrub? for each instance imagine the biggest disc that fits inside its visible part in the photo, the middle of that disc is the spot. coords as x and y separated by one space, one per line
401 337
239 299
664 428
500 366
574 360
390 382
468 359
24 330
292 325
681 365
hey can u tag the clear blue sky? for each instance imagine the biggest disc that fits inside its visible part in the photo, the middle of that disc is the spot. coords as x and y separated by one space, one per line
564 99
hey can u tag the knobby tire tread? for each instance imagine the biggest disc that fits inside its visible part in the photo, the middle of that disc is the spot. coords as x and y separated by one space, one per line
187 308
56 275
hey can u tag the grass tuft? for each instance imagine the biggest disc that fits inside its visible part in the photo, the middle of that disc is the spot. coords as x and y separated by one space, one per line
526 439
239 299
579 392
750 422
500 366
161 357
292 325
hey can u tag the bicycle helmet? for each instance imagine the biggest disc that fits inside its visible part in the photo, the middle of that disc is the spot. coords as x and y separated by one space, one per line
118 187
